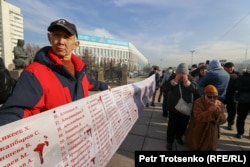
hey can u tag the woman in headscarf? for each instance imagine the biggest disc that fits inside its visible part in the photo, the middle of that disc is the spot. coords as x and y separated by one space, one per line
208 113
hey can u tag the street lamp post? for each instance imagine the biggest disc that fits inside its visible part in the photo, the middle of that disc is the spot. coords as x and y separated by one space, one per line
192 51
161 63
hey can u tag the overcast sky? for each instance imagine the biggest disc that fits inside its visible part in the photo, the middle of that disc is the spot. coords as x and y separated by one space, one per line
164 31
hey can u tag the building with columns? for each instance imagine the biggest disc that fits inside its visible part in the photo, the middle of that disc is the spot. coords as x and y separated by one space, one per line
106 49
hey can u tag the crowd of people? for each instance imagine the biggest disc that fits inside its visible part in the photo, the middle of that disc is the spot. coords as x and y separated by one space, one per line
219 95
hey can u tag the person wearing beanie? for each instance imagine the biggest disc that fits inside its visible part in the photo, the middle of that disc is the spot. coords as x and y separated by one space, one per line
177 123
208 113
230 93
210 89
182 69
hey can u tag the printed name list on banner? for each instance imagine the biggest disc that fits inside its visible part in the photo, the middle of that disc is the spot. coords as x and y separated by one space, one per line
83 133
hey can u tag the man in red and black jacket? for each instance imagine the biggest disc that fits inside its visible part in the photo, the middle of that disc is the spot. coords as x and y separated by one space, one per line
56 77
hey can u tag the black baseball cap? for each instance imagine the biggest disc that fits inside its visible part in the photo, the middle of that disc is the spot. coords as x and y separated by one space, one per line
71 28
229 64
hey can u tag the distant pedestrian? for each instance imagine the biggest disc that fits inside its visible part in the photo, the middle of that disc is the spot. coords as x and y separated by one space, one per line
178 122
243 97
169 73
161 89
230 94
208 113
157 81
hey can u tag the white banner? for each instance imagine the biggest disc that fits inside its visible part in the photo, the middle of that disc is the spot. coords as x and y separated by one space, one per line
83 133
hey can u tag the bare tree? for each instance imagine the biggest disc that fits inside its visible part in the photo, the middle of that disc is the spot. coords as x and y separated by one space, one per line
32 49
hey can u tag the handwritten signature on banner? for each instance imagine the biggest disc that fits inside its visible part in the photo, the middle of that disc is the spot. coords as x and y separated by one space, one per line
86 132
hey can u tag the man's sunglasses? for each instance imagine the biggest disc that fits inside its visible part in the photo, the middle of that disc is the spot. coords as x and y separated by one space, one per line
211 97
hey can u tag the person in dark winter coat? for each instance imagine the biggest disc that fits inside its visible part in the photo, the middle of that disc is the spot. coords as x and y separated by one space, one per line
155 72
161 89
178 122
242 85
229 101
169 73
56 77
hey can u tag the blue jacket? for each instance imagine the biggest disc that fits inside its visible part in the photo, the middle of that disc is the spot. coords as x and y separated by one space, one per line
216 76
